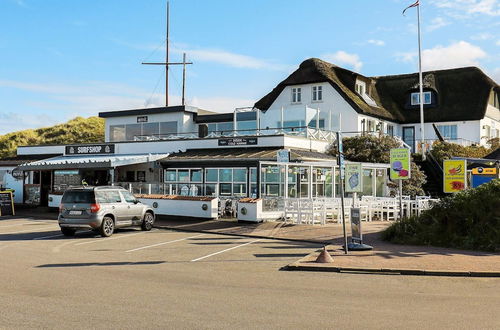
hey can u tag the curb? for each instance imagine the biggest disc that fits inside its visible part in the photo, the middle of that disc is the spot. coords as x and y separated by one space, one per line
241 235
389 271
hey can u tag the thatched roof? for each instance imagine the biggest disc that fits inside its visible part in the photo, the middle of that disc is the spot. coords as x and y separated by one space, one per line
462 93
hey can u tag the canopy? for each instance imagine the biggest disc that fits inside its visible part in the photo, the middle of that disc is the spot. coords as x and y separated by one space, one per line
94 161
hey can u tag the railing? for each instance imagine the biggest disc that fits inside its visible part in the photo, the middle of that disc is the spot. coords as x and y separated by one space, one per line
305 131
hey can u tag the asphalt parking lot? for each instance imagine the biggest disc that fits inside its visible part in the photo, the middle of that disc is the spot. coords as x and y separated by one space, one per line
172 279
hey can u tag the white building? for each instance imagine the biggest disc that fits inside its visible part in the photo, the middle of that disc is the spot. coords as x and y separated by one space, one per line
463 103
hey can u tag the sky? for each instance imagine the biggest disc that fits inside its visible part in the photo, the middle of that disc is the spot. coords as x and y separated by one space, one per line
61 59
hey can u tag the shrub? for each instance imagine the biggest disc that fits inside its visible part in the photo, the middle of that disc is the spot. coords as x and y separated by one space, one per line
445 150
77 130
467 220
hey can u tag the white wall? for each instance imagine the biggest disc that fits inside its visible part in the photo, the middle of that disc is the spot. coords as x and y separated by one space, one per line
40 150
332 100
8 181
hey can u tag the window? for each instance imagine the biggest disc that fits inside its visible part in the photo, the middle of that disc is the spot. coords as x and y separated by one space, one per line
141 176
168 128
448 131
185 182
296 95
415 98
129 198
117 133
317 93
108 197
228 181
390 130
360 88
221 128
371 126
133 132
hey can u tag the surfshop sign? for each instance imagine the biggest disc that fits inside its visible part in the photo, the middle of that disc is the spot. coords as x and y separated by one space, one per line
90 149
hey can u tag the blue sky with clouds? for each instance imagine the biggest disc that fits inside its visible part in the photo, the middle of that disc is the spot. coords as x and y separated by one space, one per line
61 59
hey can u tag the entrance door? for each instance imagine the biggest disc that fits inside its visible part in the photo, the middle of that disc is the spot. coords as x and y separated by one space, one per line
409 137
45 186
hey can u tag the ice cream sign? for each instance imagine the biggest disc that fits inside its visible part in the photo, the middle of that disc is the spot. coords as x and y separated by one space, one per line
400 164
454 175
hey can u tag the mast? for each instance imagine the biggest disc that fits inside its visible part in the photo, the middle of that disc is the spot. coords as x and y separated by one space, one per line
166 55
421 88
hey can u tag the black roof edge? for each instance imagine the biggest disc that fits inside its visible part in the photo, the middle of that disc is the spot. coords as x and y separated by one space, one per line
148 111
223 117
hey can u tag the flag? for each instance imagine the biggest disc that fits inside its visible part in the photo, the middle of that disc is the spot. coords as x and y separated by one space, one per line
411 6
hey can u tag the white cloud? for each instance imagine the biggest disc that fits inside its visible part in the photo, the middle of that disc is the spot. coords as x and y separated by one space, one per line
65 101
344 58
459 8
376 42
482 36
498 42
458 54
211 55
437 23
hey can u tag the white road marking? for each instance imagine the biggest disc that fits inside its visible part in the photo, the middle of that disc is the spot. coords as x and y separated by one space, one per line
163 243
44 237
26 224
111 238
58 248
231 248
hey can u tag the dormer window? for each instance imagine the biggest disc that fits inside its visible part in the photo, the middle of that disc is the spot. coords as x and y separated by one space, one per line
296 95
317 93
360 88
415 98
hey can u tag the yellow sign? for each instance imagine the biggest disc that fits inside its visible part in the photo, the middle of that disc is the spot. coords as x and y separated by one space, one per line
454 175
484 171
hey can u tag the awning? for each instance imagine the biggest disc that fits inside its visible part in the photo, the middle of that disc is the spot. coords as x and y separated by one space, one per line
95 161
243 155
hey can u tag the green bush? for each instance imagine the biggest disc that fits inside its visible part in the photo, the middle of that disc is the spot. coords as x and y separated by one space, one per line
77 130
445 150
467 220
376 149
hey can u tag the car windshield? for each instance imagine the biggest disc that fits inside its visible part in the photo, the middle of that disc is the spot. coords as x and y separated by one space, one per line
81 197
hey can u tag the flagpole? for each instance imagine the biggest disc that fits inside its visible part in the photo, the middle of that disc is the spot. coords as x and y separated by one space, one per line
421 87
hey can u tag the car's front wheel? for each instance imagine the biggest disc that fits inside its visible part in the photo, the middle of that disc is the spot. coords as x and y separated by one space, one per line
107 227
148 221
68 231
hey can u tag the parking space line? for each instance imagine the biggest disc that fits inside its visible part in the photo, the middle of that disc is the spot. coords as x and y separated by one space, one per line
231 248
111 238
44 237
163 243
25 224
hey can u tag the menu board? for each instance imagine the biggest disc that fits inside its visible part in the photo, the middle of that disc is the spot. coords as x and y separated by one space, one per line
6 203
64 179
32 194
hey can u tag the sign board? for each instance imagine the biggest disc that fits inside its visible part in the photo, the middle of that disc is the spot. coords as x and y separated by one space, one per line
6 203
90 149
66 172
482 175
484 171
356 234
454 175
353 178
283 156
400 164
142 119
237 142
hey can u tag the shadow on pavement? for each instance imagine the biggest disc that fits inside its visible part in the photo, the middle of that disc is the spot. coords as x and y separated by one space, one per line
116 263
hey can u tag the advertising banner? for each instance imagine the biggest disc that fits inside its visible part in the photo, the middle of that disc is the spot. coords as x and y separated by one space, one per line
454 175
353 178
6 203
400 164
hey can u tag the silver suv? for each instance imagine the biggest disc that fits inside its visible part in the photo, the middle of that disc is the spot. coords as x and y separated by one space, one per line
102 209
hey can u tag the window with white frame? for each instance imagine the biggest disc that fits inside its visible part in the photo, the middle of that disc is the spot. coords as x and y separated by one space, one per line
184 182
317 93
227 182
415 98
360 87
448 131
390 130
296 95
